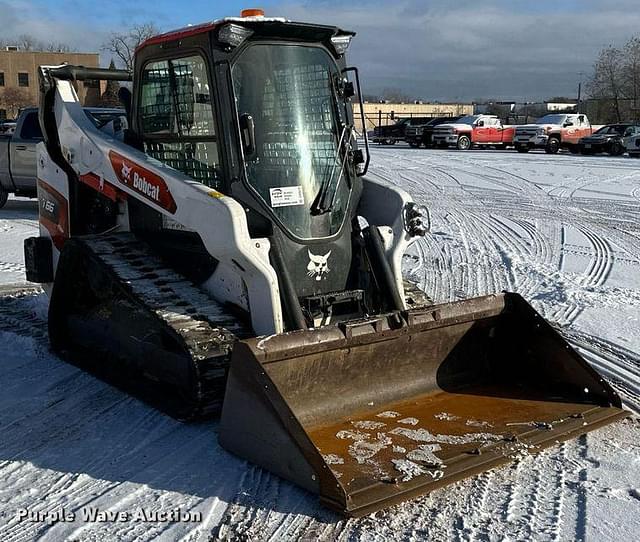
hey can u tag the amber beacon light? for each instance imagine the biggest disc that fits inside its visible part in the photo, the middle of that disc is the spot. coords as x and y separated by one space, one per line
252 12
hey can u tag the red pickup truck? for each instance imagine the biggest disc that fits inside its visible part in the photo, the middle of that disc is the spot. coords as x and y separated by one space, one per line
473 130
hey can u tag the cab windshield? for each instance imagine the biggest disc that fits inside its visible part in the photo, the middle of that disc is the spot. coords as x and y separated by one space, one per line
552 119
300 165
469 119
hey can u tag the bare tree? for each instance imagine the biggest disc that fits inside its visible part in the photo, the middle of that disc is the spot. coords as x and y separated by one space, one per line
396 95
607 81
58 47
13 100
27 42
109 97
123 44
631 72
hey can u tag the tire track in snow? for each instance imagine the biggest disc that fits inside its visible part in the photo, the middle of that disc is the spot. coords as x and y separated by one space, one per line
12 267
595 274
581 500
601 262
18 315
619 366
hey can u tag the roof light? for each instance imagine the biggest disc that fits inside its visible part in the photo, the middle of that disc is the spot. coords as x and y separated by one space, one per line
233 34
252 12
341 43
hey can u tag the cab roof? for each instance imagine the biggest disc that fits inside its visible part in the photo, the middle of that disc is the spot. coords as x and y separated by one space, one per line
269 27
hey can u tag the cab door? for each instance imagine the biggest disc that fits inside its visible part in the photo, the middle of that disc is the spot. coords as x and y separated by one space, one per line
584 127
481 131
23 153
571 130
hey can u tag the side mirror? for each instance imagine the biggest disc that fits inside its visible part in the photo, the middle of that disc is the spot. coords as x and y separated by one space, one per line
248 135
567 124
361 167
348 91
480 123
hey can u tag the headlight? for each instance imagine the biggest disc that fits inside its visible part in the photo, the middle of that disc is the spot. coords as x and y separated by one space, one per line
233 34
341 43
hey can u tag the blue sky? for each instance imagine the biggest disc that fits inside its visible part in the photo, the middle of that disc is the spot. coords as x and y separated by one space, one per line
433 49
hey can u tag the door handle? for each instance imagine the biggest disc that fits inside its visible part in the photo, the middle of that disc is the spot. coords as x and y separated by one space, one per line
21 147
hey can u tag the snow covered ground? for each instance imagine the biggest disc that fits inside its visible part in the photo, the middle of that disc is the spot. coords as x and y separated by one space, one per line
18 220
564 231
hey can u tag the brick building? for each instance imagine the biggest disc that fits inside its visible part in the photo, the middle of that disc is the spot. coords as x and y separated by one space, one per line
19 70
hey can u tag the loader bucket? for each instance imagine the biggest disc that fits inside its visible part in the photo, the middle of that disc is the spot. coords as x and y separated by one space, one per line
374 412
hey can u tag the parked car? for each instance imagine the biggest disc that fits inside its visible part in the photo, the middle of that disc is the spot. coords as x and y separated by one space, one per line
553 132
612 139
472 130
392 133
18 150
415 133
633 145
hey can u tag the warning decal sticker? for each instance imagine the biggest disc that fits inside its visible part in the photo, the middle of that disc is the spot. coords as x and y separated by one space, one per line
285 196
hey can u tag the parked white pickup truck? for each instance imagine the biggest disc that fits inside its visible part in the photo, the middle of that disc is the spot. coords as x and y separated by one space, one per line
18 149
472 130
553 132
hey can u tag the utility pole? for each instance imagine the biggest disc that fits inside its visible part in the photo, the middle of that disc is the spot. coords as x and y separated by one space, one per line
635 89
580 91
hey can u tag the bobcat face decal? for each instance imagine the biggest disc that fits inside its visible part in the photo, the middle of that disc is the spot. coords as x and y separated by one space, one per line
126 172
318 266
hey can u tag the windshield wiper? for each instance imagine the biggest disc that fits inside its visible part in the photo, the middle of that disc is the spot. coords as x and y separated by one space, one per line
319 205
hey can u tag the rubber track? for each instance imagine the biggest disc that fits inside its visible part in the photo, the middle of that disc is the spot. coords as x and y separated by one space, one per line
207 328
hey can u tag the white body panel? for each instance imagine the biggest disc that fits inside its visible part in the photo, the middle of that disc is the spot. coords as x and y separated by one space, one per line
220 221
382 206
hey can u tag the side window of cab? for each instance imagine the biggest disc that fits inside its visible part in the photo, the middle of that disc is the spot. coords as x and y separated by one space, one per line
176 117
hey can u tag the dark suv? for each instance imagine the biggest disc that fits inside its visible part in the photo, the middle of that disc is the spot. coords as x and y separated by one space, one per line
413 132
397 132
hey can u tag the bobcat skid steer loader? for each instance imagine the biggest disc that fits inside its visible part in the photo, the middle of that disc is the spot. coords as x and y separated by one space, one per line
220 251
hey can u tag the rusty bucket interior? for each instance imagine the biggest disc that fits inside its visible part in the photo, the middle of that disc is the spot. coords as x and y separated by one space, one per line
374 412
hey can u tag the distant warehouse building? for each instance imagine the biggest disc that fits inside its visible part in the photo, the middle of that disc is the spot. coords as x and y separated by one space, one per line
387 113
19 77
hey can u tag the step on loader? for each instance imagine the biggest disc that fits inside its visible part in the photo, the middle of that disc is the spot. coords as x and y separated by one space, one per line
220 251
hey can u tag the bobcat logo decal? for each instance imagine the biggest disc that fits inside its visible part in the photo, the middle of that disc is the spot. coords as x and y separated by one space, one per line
318 266
126 171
